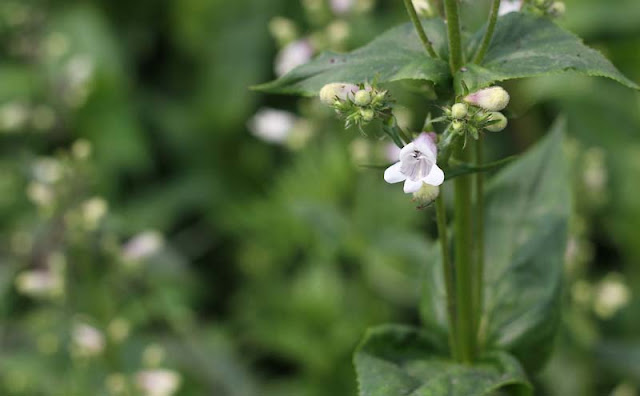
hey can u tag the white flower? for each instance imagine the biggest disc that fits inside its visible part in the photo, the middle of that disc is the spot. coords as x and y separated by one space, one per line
293 55
142 246
422 7
490 99
160 382
40 283
507 6
341 7
272 125
87 340
417 165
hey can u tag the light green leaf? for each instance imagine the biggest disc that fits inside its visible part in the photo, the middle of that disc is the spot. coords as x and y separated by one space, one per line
527 46
526 215
395 55
394 360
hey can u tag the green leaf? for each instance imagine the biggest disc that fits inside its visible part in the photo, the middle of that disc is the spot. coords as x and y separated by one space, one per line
527 46
526 216
395 360
527 212
395 55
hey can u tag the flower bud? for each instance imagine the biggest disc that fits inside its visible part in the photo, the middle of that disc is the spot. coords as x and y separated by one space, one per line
341 91
362 98
459 110
499 122
457 125
426 195
491 99
557 9
367 115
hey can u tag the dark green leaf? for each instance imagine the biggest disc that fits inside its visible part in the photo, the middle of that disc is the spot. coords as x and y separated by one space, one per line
529 46
528 207
394 360
396 55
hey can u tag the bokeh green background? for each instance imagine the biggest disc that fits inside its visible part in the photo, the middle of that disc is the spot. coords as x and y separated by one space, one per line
144 229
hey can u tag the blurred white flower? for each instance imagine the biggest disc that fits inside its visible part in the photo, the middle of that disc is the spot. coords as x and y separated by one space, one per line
159 382
508 6
142 246
13 116
417 165
422 7
293 55
272 125
93 211
40 283
612 295
86 340
47 170
391 152
341 7
40 194
81 149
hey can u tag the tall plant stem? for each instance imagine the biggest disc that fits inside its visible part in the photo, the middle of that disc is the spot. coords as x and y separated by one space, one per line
486 40
456 58
419 29
447 270
479 273
463 248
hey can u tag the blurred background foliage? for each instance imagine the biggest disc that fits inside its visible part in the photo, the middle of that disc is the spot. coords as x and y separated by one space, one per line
165 231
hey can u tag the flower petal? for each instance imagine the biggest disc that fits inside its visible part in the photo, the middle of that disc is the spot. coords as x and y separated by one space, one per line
435 176
411 186
393 174
425 142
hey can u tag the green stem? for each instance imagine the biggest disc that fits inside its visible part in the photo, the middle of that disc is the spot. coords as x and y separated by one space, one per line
419 29
486 40
456 58
447 270
479 273
466 335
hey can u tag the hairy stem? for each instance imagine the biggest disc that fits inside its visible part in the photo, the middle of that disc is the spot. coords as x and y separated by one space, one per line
419 29
479 273
447 270
486 40
466 335
456 58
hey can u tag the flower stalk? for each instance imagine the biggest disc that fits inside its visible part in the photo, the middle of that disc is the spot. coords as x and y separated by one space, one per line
456 58
463 256
419 29
491 27
479 267
447 270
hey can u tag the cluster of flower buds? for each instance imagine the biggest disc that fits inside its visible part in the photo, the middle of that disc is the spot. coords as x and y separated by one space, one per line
357 104
477 111
548 7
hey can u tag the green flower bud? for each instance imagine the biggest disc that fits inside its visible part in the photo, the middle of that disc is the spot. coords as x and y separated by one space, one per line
457 125
362 98
426 195
499 125
341 91
367 115
459 110
557 9
491 99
